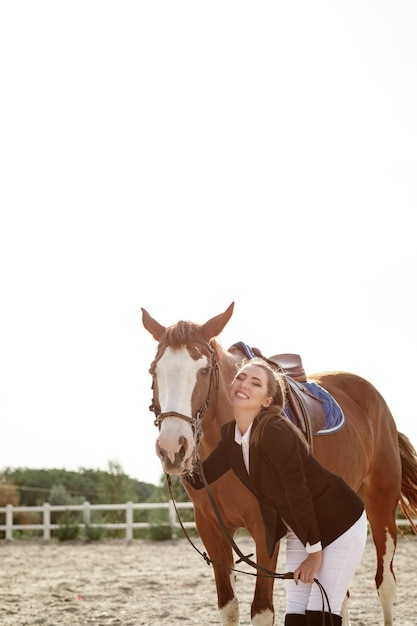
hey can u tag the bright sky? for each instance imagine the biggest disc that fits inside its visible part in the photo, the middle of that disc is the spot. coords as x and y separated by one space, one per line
179 156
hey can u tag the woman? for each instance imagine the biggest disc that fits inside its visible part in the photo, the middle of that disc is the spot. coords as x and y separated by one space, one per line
322 517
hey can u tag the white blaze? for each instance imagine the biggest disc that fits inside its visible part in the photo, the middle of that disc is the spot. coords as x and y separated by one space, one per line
176 375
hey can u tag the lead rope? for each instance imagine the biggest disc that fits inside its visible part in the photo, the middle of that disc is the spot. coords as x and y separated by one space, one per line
242 557
205 556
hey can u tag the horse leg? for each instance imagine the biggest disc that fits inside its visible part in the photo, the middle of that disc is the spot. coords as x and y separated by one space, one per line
220 551
227 601
262 608
385 544
345 611
380 509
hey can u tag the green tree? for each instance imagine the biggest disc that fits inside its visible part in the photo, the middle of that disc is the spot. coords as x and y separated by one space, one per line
116 486
34 486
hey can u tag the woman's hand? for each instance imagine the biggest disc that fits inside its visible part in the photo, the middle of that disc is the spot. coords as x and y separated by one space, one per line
306 572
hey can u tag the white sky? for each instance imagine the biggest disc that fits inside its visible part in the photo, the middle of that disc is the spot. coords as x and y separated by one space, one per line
179 156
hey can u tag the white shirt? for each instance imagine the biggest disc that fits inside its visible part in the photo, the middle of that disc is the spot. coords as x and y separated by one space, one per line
243 441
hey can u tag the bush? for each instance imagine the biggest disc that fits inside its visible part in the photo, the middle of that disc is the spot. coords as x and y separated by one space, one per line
94 533
69 528
158 532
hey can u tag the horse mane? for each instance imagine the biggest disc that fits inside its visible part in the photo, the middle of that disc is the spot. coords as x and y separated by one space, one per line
182 333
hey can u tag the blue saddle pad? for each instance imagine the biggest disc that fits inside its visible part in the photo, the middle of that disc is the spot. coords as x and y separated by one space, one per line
334 416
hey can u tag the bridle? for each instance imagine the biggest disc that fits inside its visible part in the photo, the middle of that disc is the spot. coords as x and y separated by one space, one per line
194 420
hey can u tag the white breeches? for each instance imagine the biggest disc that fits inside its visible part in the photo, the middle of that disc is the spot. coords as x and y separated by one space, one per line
341 558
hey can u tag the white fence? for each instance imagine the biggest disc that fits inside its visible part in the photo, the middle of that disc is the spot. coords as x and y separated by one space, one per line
86 508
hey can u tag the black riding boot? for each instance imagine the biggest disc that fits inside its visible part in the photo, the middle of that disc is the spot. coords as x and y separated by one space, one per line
315 618
295 619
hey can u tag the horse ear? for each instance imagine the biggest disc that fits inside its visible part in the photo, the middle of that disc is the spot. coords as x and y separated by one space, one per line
214 327
151 325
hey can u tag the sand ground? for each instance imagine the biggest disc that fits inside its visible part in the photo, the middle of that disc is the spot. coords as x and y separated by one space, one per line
165 583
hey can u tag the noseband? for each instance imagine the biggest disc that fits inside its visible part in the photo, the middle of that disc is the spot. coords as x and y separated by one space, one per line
195 420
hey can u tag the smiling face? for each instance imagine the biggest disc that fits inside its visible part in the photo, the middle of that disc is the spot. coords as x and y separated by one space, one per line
250 389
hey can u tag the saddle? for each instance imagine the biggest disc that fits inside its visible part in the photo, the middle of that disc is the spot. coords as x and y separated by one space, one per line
305 408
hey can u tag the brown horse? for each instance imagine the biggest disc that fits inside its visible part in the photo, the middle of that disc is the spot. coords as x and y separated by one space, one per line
191 376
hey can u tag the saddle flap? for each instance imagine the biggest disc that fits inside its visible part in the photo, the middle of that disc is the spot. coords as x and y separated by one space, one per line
306 408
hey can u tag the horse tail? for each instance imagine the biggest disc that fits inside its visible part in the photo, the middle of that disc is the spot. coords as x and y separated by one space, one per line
408 498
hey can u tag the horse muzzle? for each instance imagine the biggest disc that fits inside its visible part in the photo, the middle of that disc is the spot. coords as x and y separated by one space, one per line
175 462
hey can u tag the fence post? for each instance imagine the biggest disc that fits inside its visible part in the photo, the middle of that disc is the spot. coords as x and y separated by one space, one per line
172 519
86 517
46 522
129 522
9 522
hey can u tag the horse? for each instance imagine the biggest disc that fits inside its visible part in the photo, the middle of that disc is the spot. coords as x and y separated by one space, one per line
191 375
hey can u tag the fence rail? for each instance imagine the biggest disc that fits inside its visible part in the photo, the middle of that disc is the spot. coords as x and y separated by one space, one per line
86 509
129 525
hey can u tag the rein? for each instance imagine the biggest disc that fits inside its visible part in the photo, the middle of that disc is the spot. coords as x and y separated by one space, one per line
261 571
210 561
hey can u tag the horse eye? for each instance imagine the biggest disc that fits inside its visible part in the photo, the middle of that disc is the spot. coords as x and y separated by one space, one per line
205 371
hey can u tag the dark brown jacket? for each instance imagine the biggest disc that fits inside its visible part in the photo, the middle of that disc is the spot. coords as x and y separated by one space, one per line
289 483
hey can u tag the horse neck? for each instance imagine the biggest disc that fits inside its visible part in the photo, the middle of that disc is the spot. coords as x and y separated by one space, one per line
220 411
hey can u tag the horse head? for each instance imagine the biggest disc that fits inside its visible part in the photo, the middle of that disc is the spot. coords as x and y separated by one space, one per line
184 381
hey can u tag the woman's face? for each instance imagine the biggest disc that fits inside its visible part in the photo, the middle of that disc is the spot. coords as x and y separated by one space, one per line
249 389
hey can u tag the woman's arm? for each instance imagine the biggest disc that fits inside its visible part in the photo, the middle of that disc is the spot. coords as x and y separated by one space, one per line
214 467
